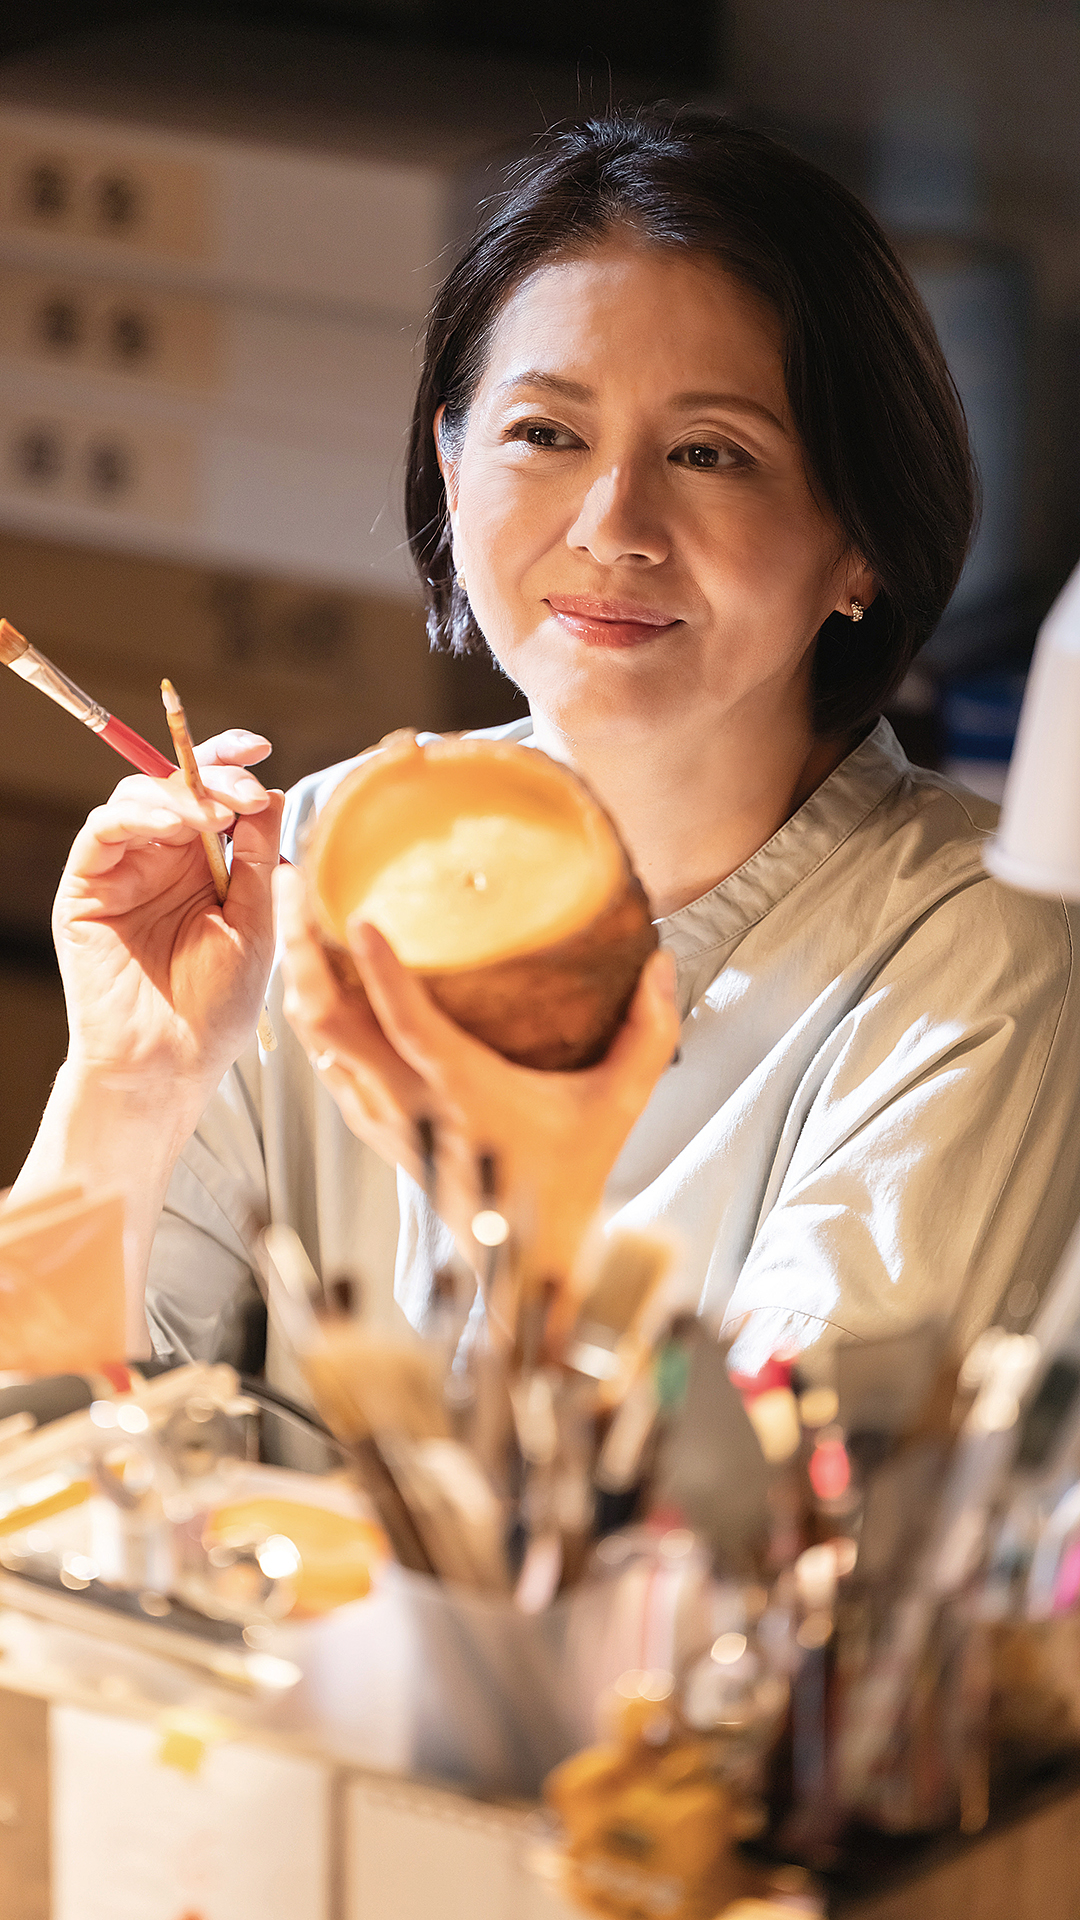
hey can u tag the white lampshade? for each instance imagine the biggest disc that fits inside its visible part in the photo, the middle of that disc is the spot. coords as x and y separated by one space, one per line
1037 846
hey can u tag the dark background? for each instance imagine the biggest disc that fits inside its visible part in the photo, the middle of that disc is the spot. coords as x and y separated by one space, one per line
680 41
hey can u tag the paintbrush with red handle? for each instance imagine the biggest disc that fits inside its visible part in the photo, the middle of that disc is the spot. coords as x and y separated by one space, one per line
30 665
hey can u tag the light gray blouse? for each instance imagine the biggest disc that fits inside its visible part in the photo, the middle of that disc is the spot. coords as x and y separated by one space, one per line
874 1119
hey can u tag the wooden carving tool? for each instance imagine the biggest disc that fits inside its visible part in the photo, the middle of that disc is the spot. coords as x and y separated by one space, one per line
189 767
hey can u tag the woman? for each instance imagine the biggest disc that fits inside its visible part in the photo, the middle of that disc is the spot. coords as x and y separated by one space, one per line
687 458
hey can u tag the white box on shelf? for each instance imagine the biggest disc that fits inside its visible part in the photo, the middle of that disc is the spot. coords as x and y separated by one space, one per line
352 374
327 174
419 1853
182 480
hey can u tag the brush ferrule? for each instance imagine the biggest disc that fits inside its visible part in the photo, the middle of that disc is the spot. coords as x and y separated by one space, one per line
41 673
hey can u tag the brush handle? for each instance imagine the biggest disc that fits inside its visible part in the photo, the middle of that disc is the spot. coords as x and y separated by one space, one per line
38 671
212 843
132 747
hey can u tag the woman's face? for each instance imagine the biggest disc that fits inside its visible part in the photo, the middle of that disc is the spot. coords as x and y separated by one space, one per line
630 505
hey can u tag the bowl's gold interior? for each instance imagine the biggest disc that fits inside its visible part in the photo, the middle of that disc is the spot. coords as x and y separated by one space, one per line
464 857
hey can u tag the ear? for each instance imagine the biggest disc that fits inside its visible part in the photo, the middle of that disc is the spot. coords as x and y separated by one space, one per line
447 467
858 584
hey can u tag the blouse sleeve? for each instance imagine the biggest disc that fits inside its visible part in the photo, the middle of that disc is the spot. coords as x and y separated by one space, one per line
200 1271
933 1151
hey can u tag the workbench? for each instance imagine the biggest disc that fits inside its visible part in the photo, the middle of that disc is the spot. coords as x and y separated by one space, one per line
130 1790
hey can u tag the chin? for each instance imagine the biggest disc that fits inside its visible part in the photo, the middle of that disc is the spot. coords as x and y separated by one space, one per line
598 720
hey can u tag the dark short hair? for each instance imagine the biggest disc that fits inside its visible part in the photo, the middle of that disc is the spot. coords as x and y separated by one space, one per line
875 405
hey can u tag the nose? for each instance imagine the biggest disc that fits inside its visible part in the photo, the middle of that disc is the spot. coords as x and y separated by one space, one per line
617 521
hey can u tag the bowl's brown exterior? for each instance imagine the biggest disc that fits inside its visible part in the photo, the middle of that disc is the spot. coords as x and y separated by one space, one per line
558 1008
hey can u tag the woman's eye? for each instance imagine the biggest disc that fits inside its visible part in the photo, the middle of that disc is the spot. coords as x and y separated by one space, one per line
705 457
542 433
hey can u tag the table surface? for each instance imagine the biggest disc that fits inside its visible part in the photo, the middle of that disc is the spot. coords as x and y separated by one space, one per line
428 1853
1025 1868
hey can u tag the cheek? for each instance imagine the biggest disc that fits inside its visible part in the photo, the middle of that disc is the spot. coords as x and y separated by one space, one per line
776 554
493 528
503 531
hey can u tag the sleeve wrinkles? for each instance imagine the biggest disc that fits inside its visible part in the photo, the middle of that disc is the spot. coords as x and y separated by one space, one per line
1022 1135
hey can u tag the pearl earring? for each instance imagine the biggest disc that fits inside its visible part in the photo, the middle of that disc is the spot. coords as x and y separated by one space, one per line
857 609
459 580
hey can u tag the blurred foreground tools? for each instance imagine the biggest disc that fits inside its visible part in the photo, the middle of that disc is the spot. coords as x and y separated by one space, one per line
479 1452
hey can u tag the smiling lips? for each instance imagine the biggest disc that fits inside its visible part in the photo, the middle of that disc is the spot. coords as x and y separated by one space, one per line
609 623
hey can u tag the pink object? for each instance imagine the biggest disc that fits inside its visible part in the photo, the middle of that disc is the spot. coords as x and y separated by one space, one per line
1067 1584
829 1469
775 1373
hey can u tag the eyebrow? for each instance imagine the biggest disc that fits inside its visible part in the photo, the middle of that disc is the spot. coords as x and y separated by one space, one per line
548 383
683 402
689 402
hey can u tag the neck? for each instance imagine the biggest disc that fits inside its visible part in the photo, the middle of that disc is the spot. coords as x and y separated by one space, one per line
693 802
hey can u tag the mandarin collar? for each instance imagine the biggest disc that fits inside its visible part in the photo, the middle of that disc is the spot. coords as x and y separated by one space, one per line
821 825
697 934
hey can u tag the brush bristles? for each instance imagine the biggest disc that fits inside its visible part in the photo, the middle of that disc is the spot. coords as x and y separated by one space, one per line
12 644
630 1266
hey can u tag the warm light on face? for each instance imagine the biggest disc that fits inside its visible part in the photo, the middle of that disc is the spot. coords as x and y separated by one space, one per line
630 505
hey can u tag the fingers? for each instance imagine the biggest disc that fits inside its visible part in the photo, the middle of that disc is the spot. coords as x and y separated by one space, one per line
238 790
254 861
648 1037
140 789
324 1017
421 1033
235 748
362 1111
143 813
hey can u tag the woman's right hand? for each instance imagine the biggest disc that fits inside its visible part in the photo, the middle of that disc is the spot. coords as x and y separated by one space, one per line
163 985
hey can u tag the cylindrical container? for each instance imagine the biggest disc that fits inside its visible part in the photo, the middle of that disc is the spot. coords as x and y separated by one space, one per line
1037 846
447 1684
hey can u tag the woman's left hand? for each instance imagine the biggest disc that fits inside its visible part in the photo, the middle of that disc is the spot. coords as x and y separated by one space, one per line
554 1137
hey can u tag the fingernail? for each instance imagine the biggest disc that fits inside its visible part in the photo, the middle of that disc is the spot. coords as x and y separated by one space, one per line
160 817
248 789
